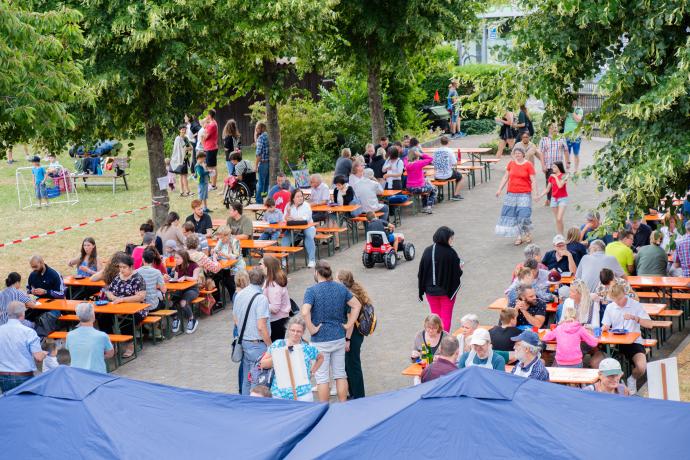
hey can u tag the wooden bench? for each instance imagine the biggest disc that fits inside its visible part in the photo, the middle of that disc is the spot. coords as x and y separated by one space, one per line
334 231
648 295
440 184
329 239
167 314
156 323
290 252
659 328
115 339
649 345
106 180
397 211
469 170
680 314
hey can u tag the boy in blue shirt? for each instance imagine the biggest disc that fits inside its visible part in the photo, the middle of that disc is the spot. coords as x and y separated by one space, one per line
272 215
40 176
202 176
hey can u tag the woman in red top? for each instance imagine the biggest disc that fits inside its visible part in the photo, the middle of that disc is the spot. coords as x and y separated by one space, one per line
516 214
559 193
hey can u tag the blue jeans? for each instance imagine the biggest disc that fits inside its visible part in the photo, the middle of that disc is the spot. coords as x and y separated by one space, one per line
8 382
231 168
270 235
252 352
309 244
262 181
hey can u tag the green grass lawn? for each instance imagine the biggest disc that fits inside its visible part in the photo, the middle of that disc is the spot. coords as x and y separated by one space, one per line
110 235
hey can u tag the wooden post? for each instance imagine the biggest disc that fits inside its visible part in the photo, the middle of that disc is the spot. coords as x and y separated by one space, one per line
663 381
292 376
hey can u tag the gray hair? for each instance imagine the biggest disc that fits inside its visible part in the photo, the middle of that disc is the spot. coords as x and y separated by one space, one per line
531 251
449 346
297 319
15 309
85 312
257 276
597 246
532 349
472 318
317 177
369 173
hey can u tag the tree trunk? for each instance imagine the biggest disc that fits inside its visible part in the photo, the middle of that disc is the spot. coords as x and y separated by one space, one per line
272 124
154 144
378 119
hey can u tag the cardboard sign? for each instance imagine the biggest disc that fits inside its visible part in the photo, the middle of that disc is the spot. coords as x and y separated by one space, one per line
294 374
162 182
662 379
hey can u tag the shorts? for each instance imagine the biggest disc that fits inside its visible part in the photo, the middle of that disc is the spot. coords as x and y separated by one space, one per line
574 146
558 202
457 175
631 350
211 158
203 191
391 238
41 191
333 353
453 116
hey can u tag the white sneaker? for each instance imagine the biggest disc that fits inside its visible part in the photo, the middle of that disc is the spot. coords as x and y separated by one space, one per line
333 391
631 383
311 264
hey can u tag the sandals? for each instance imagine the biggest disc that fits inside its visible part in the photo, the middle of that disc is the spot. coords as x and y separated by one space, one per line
128 354
527 239
518 242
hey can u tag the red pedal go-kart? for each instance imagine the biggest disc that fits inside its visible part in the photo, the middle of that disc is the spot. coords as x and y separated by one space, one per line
378 250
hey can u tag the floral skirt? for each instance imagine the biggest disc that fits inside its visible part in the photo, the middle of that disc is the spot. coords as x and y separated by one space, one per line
516 215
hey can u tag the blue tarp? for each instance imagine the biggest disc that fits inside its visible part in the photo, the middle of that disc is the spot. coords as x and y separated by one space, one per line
482 413
71 413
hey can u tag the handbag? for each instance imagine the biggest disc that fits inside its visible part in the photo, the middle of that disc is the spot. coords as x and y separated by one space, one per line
237 352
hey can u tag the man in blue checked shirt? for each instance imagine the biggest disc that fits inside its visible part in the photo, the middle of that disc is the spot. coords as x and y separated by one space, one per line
262 157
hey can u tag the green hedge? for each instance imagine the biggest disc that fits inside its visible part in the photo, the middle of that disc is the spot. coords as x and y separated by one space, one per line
480 126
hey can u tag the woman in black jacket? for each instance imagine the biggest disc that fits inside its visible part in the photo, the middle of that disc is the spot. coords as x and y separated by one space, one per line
439 275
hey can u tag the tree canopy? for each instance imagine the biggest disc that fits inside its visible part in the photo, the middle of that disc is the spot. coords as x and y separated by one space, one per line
147 63
641 50
40 75
377 36
264 44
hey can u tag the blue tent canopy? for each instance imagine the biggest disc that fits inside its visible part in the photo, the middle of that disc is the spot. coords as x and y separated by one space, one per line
482 413
72 413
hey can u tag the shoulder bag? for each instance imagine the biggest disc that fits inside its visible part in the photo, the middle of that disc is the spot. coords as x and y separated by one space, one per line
237 352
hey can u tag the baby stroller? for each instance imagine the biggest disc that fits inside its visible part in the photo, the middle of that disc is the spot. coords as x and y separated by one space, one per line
240 191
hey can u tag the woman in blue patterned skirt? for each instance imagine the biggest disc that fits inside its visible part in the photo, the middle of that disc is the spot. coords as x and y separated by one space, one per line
516 214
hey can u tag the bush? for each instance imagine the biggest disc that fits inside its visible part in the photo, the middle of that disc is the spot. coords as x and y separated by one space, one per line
480 126
493 145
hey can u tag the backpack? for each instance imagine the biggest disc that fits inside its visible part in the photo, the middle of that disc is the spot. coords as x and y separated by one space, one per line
259 376
294 308
366 322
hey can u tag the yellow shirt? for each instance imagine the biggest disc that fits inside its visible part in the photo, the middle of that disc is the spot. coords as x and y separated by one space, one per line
622 253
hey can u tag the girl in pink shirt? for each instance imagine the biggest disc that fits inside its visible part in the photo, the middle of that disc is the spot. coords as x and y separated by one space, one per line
568 336
416 181
275 289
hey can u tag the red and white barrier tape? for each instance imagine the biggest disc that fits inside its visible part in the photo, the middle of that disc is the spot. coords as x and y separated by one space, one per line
72 227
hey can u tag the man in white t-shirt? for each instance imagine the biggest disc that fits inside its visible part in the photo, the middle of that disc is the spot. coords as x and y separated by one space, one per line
444 167
629 314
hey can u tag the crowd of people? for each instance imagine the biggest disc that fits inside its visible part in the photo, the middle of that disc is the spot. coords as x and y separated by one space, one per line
271 327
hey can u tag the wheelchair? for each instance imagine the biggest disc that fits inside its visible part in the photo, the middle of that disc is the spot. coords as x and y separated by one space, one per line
241 191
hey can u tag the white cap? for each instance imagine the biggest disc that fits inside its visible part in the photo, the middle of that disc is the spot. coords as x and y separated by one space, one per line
558 239
610 366
480 337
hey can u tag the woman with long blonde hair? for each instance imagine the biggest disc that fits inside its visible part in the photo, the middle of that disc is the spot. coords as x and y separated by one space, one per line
354 339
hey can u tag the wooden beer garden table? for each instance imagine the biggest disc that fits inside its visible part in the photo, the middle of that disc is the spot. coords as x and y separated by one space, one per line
665 283
73 281
562 375
127 309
